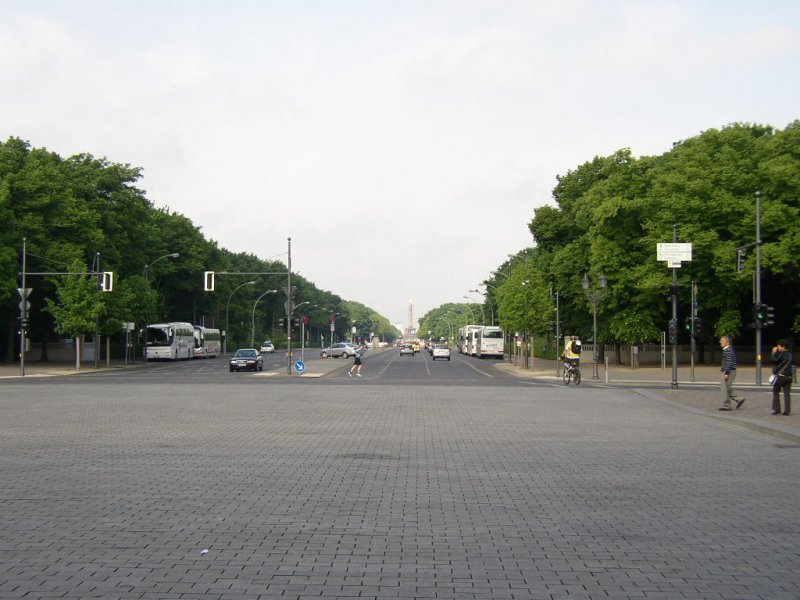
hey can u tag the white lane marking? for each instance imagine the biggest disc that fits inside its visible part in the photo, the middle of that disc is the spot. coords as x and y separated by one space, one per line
471 366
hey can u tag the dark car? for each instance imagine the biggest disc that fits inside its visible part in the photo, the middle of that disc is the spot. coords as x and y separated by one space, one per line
247 359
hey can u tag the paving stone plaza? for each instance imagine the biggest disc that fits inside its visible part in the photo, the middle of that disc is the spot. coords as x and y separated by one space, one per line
314 491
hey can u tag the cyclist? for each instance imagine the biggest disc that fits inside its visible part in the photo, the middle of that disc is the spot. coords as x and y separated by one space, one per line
572 351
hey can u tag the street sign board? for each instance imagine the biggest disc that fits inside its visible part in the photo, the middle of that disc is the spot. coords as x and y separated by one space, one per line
299 366
24 292
25 306
673 253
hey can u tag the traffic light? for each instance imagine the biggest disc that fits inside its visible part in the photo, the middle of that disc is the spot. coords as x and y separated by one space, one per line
673 331
688 325
106 281
208 281
698 327
769 315
741 257
294 322
759 315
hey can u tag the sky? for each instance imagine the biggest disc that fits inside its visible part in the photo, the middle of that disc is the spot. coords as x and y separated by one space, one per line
404 145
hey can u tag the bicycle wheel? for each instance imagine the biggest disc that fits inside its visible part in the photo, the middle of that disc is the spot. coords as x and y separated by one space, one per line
577 376
567 374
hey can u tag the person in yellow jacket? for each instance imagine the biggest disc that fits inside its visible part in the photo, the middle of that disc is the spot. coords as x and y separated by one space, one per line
572 350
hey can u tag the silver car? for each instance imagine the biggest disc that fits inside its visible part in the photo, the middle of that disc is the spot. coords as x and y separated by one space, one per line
340 350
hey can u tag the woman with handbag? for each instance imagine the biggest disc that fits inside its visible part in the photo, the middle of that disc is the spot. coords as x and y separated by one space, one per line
781 378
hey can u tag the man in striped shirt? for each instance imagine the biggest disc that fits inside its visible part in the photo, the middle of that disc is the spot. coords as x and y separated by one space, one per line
728 375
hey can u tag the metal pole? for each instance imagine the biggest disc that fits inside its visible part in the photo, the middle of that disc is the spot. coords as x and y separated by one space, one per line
23 323
691 329
289 310
675 315
758 285
595 372
558 338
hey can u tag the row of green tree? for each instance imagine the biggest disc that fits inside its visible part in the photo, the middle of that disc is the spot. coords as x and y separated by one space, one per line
82 215
611 212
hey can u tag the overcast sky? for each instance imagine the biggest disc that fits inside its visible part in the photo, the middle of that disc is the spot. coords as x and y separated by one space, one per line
402 145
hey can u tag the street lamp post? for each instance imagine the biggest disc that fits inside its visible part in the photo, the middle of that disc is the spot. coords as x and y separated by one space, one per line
303 332
147 284
227 306
594 294
253 321
491 308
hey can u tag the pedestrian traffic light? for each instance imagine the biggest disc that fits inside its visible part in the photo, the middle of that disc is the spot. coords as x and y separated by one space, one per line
759 315
208 281
673 331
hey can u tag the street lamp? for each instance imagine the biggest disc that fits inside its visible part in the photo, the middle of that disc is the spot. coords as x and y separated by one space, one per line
227 306
594 294
303 331
491 306
253 321
147 284
471 307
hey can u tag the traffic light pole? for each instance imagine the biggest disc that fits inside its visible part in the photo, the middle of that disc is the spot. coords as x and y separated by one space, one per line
758 285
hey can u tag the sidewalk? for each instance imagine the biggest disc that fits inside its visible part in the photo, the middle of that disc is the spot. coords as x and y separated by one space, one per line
314 368
702 396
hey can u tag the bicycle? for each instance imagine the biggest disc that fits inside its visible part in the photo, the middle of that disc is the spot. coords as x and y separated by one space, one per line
571 371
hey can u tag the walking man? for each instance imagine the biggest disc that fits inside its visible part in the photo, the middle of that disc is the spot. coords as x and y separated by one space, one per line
728 375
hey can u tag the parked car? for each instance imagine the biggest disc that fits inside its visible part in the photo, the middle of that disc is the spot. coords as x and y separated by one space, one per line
407 348
342 349
246 359
441 351
267 347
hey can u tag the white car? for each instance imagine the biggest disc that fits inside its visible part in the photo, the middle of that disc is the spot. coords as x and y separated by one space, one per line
267 347
441 351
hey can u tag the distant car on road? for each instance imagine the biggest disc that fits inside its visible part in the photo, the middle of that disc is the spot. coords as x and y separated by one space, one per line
407 348
246 359
267 347
342 349
441 351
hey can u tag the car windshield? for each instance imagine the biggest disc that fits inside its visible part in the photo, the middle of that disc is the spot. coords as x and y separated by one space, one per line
245 353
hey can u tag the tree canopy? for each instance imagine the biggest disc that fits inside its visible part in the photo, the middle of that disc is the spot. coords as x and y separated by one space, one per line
78 210
609 213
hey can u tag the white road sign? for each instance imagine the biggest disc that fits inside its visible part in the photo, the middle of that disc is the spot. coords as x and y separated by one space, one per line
673 253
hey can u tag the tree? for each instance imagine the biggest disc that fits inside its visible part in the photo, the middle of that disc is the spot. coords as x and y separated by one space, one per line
79 307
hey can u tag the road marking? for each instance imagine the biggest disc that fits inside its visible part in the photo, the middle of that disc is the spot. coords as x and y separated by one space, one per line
471 366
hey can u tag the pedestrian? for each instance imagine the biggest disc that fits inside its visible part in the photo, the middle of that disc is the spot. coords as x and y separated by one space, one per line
728 370
357 362
781 378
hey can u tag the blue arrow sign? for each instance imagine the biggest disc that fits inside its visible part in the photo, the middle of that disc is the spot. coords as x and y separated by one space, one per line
299 366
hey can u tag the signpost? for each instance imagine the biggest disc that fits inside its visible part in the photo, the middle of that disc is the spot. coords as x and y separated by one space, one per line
673 254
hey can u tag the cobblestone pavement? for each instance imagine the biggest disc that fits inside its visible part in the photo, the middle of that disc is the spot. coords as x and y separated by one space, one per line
703 395
318 491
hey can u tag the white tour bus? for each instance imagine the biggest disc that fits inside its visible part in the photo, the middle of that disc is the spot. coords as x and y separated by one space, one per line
207 342
169 341
489 342
466 339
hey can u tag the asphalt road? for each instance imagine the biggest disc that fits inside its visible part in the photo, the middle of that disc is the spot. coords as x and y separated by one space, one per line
420 480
